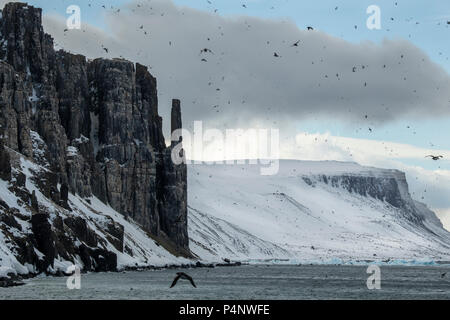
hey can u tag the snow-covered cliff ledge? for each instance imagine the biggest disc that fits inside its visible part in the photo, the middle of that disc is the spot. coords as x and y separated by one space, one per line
310 212
87 223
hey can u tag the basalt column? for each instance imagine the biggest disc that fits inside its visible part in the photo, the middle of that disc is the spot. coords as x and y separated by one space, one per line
174 205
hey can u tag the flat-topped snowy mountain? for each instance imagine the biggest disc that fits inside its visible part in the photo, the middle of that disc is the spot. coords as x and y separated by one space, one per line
310 212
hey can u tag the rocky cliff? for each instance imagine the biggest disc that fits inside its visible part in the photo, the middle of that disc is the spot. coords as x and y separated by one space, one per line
389 186
93 129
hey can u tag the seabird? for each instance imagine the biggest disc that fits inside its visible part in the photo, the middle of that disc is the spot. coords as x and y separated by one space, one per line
296 44
435 158
182 275
206 50
310 28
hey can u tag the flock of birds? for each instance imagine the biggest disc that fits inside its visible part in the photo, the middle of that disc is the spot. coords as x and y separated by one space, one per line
206 51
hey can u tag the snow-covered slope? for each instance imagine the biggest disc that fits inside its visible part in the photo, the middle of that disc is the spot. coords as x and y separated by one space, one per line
310 212
322 212
133 247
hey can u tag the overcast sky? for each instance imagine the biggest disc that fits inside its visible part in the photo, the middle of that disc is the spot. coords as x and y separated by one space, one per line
377 97
324 75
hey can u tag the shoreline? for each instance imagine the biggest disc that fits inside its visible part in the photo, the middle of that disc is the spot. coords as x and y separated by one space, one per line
17 280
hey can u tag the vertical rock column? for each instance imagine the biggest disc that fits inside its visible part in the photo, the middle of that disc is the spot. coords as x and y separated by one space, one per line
174 205
176 122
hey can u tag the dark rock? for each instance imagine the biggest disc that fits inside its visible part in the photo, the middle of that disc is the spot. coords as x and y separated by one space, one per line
21 180
5 283
27 47
25 251
64 244
64 196
10 221
129 137
3 204
5 163
73 94
174 190
44 240
104 260
99 260
85 255
81 231
128 251
116 235
34 202
176 122
64 191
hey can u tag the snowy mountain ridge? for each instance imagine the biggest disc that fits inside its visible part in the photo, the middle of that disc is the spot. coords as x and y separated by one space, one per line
317 212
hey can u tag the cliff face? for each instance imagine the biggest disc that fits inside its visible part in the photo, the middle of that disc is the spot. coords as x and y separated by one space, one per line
93 125
389 186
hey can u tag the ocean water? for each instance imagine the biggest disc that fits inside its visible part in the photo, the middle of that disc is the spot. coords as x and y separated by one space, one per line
246 282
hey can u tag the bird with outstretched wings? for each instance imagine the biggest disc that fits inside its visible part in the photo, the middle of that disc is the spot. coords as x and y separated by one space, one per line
435 158
182 275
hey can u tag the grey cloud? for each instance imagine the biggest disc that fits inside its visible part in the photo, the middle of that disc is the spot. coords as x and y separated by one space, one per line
242 82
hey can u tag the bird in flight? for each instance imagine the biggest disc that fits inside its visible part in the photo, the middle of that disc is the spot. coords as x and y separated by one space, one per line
296 44
182 275
310 28
435 158
206 50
